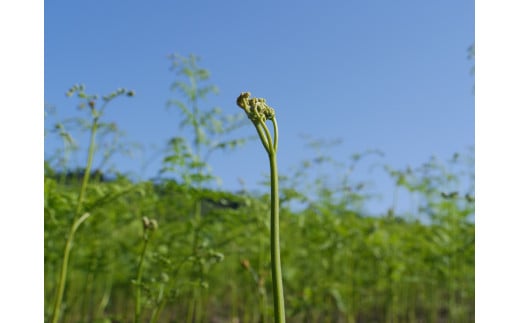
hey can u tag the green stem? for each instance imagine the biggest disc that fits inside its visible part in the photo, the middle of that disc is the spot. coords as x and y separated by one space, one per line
258 112
275 130
138 281
158 309
276 265
105 299
86 176
77 222
261 133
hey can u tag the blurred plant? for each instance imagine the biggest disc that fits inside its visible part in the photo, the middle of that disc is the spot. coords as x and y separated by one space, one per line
188 160
259 285
79 215
149 226
109 136
326 183
471 56
69 146
435 182
444 194
259 112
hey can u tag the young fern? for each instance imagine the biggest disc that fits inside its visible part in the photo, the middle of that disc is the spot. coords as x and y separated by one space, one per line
259 112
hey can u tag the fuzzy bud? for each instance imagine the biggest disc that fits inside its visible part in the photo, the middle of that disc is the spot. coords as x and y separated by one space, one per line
153 225
245 263
146 223
243 101
256 109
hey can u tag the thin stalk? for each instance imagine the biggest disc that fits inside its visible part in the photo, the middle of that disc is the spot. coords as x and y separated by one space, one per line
105 299
191 309
157 309
164 298
75 225
259 112
86 176
276 264
138 282
275 130
263 138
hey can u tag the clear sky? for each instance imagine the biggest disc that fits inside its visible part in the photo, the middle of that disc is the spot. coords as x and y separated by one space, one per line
386 75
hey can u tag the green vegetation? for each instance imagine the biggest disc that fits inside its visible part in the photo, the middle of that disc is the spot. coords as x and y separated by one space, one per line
178 250
79 216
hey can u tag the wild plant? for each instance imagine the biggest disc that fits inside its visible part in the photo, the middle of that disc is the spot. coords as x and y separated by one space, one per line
259 286
80 215
321 182
188 160
259 112
209 128
149 226
60 159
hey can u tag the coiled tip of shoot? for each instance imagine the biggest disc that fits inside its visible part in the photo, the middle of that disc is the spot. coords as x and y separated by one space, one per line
256 109
243 101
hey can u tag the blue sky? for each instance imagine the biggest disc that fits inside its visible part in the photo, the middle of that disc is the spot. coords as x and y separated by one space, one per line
392 76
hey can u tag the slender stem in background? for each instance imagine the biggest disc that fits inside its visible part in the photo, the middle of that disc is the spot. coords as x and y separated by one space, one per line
157 309
169 286
86 176
77 219
138 281
105 299
77 222
149 226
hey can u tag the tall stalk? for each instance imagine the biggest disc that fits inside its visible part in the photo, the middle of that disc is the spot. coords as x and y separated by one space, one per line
79 216
149 226
259 112
75 225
